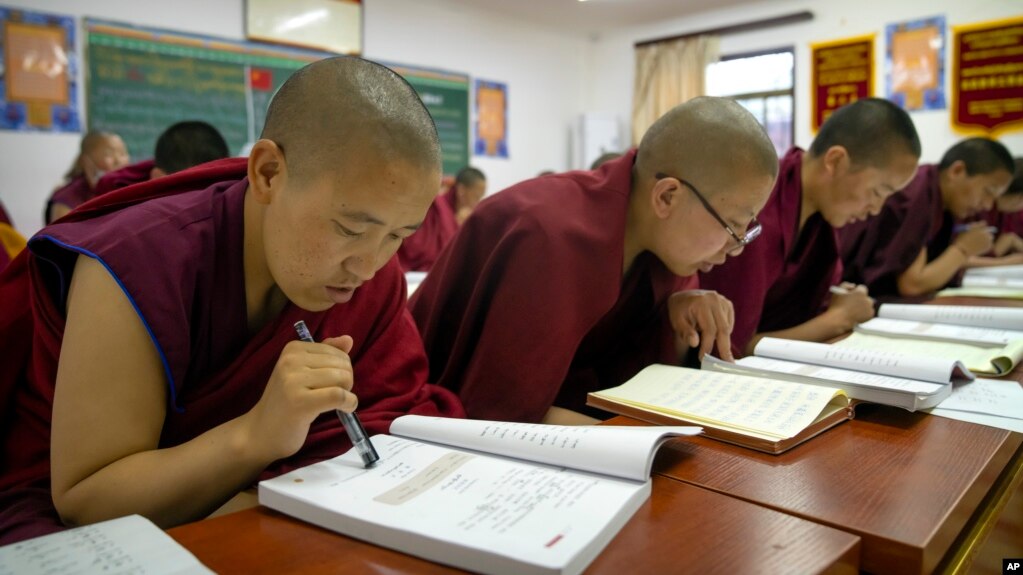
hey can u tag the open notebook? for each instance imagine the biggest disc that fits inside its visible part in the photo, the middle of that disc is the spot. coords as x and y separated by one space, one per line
878 376
768 415
486 496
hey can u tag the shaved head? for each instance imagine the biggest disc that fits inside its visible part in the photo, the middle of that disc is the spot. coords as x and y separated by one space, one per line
709 140
339 104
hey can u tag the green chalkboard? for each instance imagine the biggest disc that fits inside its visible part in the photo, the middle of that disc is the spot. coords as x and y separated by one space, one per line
141 80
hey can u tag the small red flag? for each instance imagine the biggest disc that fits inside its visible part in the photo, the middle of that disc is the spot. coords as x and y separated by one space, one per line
260 79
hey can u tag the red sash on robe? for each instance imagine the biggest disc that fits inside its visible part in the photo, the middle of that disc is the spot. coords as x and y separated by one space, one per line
780 280
420 250
528 307
389 364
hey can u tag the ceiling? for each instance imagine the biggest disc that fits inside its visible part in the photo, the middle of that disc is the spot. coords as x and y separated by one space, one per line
594 16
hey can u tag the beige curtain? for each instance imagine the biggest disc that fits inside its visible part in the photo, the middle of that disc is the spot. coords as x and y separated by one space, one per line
667 74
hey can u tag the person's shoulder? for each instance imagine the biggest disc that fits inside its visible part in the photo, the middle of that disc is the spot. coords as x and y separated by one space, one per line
542 202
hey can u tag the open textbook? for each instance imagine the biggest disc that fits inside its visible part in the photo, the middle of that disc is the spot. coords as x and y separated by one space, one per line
981 350
486 496
1009 272
1008 318
904 328
1009 277
131 544
878 376
769 415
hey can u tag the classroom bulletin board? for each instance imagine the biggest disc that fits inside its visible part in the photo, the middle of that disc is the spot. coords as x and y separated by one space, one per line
141 80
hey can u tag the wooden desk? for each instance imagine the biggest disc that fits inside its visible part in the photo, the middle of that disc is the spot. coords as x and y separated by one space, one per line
908 484
680 529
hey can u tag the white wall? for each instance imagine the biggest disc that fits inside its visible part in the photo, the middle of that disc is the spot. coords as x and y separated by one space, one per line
611 66
543 69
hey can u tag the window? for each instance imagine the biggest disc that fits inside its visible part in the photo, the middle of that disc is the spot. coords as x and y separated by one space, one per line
764 84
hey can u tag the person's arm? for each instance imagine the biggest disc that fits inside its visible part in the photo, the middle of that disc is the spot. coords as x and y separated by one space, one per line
986 262
845 311
111 400
923 277
58 211
1007 243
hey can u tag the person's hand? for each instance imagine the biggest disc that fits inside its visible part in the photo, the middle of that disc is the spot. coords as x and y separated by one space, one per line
91 170
851 305
976 240
1007 243
703 318
309 379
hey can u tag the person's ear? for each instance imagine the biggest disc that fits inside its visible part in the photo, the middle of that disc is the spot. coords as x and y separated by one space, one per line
156 173
957 169
267 170
836 160
664 197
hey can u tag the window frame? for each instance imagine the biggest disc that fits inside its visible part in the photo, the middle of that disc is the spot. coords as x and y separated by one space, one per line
763 96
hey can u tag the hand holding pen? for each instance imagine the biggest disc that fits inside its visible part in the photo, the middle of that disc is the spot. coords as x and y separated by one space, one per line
350 421
307 380
851 304
974 239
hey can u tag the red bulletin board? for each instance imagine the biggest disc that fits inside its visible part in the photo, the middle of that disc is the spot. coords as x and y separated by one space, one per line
987 77
842 71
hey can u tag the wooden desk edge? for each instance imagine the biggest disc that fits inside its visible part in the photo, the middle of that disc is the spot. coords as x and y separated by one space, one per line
976 532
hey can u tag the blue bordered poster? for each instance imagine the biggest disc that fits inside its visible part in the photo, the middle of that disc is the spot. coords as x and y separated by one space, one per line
915 61
491 119
38 72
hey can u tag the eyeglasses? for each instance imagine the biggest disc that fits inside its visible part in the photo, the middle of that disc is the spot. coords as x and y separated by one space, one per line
740 241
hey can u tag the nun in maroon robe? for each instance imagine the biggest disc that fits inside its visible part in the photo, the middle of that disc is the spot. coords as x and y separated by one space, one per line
528 309
420 250
875 252
193 306
782 279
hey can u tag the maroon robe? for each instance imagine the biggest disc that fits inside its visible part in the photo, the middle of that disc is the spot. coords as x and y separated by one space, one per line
126 176
5 218
420 250
527 308
877 251
780 280
72 194
1007 223
182 268
5 258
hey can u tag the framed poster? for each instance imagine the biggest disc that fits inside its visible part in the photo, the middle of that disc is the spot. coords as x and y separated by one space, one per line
332 25
38 87
841 72
916 63
491 119
987 77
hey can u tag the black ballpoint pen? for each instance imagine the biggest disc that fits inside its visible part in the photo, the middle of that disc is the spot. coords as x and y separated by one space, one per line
350 421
